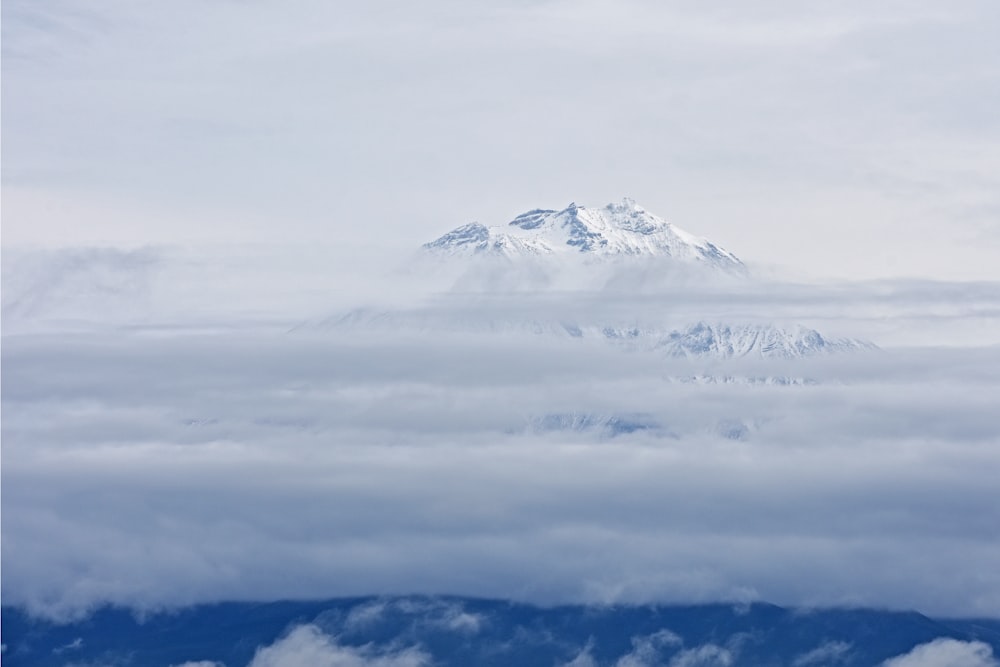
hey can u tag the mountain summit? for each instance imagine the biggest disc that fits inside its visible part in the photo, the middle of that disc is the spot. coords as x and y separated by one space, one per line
621 229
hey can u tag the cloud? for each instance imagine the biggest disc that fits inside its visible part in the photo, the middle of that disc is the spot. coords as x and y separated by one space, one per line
402 465
582 659
365 615
462 621
74 645
946 653
421 614
285 287
647 650
707 655
650 650
79 283
175 462
308 646
829 653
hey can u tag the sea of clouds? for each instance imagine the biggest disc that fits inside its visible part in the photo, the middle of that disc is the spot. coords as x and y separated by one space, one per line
184 427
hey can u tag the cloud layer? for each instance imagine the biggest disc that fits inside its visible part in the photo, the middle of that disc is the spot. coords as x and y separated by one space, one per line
169 464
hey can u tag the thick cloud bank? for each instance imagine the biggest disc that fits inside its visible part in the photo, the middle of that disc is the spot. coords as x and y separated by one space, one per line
159 463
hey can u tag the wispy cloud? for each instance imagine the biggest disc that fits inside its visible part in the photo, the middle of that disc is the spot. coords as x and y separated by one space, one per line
946 653
308 646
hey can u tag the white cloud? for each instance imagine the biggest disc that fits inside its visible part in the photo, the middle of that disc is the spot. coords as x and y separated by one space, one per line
273 436
364 615
946 653
74 645
647 650
308 646
462 621
707 655
582 659
436 613
398 461
829 653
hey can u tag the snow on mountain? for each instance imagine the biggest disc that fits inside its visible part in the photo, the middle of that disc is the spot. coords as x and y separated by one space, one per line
765 341
744 380
702 340
618 424
622 229
609 425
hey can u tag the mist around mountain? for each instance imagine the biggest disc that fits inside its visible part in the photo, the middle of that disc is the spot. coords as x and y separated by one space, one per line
625 418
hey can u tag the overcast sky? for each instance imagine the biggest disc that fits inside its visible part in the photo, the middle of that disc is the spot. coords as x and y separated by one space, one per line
849 139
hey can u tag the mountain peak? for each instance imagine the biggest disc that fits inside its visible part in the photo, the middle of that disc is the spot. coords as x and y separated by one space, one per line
472 235
620 229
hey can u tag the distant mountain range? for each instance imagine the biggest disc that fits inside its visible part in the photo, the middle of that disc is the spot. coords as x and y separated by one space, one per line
727 341
626 233
701 340
423 631
622 229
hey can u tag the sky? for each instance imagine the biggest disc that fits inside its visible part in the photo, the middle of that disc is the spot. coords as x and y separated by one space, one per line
848 140
221 380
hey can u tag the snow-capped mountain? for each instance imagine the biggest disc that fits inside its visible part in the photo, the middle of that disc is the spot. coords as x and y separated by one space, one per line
765 341
605 424
622 229
702 340
632 239
734 341
612 425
